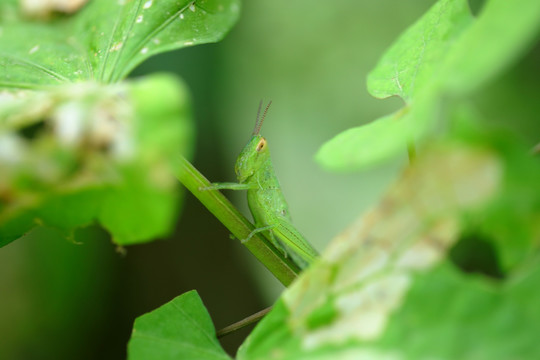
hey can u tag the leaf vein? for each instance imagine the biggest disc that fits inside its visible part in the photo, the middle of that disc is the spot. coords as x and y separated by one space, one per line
124 38
159 29
192 320
36 66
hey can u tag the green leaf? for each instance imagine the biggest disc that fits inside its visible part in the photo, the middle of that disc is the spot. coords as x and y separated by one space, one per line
98 153
143 207
500 35
447 48
344 305
446 52
180 329
412 62
71 210
405 70
380 140
137 210
106 39
449 315
15 227
511 221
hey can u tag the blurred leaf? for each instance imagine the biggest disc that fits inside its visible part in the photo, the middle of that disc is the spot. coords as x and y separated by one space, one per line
445 52
15 227
71 210
106 39
407 68
449 315
412 62
343 305
100 153
500 35
163 106
180 329
511 221
143 207
380 140
446 47
137 210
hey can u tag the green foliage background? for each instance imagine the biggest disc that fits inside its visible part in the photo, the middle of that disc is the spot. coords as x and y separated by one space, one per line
60 299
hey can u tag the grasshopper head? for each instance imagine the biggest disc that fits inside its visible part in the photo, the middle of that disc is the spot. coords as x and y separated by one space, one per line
252 158
255 154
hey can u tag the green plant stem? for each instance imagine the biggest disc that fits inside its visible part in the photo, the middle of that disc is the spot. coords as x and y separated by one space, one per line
411 151
274 260
243 323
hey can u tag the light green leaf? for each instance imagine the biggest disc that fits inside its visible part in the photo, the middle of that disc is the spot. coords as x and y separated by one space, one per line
137 209
511 221
380 140
405 70
343 306
106 39
450 49
99 153
450 315
145 204
72 209
500 35
180 329
412 62
443 56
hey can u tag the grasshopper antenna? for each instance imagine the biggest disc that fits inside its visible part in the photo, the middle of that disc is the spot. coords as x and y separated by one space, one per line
259 123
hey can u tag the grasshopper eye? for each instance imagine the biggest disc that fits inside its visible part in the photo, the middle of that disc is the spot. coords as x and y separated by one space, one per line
261 145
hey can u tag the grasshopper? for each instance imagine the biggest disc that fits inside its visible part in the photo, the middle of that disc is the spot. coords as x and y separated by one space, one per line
255 173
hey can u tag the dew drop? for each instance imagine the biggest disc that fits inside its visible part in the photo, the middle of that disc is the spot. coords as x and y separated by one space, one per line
116 47
34 49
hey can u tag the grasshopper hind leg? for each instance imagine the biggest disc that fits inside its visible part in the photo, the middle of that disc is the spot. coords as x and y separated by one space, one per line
268 228
256 231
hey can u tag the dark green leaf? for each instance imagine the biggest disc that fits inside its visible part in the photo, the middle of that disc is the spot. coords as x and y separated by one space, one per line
106 39
180 329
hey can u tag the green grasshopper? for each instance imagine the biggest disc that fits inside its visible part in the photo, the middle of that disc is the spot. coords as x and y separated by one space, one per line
266 202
